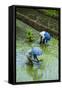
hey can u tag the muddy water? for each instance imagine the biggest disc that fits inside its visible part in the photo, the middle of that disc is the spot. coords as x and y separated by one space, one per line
46 69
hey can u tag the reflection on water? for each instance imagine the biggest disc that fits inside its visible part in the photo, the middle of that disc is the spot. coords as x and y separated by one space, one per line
46 69
25 71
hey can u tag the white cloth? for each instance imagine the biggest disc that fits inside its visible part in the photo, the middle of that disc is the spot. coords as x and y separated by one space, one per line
42 34
27 54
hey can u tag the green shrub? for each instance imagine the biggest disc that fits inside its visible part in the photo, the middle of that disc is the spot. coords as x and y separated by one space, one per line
29 35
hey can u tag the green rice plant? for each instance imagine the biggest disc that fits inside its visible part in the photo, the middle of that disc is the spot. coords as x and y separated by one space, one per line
29 35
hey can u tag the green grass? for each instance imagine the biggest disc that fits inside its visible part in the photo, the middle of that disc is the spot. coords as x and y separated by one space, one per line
51 12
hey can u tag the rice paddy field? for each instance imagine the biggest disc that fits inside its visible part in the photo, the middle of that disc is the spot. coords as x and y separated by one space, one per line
47 69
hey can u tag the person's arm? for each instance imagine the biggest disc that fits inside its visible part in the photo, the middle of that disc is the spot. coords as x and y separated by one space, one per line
35 57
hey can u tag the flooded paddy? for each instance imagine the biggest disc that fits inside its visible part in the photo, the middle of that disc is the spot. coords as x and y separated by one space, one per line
47 69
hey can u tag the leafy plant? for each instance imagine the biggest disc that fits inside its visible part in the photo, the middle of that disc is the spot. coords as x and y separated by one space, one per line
29 35
52 12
